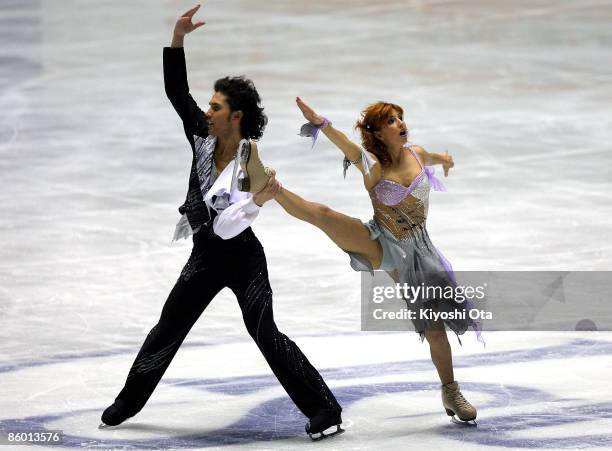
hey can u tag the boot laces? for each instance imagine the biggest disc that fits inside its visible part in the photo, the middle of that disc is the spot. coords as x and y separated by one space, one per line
459 400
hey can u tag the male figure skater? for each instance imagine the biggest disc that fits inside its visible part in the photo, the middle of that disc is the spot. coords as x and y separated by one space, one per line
226 253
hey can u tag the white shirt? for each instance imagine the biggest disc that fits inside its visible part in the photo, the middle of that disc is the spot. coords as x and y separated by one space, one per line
235 209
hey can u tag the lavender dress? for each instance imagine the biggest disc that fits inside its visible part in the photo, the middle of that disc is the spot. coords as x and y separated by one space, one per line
409 256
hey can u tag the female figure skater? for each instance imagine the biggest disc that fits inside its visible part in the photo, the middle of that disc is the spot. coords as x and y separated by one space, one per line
397 176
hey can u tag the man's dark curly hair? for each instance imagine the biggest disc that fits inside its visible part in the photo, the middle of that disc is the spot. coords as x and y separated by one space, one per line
242 96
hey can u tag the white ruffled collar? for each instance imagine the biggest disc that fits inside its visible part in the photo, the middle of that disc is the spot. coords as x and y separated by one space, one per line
224 191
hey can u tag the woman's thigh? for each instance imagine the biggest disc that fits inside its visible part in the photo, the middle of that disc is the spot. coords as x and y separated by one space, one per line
350 235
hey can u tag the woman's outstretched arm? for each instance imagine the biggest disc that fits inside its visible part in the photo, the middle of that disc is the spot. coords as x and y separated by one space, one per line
351 150
431 158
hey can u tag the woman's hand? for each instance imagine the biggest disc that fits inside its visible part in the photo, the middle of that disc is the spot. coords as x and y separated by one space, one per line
184 24
447 162
309 113
268 192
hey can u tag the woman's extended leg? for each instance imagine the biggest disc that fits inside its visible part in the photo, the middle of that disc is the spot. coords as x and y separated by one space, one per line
347 232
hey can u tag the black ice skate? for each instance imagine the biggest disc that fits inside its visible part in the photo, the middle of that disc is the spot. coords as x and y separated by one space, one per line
115 414
318 424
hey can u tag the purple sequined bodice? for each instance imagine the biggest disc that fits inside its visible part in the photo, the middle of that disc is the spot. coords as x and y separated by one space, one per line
392 193
401 208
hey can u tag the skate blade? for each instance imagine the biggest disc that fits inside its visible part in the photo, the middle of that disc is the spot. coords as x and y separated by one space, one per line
244 184
104 426
245 151
318 436
244 155
470 423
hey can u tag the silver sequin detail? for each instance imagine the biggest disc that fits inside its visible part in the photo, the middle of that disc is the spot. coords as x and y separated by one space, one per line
204 152
421 190
150 362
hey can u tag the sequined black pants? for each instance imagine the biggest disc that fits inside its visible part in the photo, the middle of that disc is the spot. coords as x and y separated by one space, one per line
239 264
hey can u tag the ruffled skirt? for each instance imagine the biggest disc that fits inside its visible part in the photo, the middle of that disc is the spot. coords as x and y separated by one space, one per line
415 261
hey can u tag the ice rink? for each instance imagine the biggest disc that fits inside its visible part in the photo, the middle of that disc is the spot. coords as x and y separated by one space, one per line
94 164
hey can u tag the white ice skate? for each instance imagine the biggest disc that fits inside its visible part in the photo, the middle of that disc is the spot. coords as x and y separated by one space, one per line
457 406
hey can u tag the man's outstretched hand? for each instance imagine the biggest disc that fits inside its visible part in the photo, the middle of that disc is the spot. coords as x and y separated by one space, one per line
185 25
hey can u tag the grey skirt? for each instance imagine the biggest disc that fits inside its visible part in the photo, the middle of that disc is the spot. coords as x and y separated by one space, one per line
416 261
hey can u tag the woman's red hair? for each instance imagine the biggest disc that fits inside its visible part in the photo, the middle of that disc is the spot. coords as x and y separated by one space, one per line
373 118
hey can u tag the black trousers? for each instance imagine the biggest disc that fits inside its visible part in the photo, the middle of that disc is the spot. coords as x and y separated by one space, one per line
240 264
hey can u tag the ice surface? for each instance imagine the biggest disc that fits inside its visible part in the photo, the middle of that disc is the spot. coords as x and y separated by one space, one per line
94 163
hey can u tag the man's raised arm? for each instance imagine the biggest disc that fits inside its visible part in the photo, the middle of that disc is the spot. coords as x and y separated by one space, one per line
175 77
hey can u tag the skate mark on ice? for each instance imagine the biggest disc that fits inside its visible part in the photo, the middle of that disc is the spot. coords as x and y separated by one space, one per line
278 419
255 425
